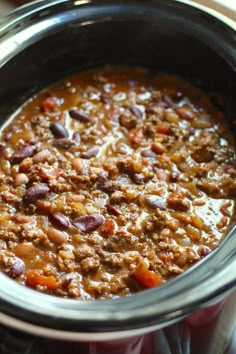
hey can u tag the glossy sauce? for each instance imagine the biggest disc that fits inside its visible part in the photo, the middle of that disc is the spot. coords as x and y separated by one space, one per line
113 181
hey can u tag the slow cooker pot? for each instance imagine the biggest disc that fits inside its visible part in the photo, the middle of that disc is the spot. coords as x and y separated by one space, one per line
48 40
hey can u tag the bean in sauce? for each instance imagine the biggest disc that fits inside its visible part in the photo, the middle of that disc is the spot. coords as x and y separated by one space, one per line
116 186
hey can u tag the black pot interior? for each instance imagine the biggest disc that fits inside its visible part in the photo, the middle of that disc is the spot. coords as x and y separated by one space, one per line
162 35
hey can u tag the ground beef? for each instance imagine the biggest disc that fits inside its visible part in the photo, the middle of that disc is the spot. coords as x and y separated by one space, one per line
109 188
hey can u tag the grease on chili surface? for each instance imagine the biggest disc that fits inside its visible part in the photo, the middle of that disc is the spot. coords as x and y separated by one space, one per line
113 181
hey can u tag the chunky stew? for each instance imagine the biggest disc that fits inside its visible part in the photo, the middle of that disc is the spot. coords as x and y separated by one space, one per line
113 181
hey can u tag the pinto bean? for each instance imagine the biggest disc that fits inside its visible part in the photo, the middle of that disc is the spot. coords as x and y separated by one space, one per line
42 156
78 164
25 250
25 164
57 236
158 148
186 112
23 219
21 178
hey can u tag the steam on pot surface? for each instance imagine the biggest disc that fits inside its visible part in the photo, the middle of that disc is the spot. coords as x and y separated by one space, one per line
113 181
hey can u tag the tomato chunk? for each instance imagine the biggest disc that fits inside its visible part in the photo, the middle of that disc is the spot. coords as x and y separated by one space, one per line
146 277
34 278
135 136
49 104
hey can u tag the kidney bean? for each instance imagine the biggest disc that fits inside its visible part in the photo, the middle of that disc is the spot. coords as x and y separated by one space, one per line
63 143
2 151
79 115
107 186
17 268
58 130
89 223
155 202
112 210
136 112
57 236
21 178
105 99
203 251
10 131
168 101
35 193
76 137
138 178
90 152
34 140
26 151
148 153
174 176
60 220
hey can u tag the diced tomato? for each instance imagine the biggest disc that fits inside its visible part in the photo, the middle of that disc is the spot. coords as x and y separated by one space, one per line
147 278
108 228
33 279
163 129
135 136
49 104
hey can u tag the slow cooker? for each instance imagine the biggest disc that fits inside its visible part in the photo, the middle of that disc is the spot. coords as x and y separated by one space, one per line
47 40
